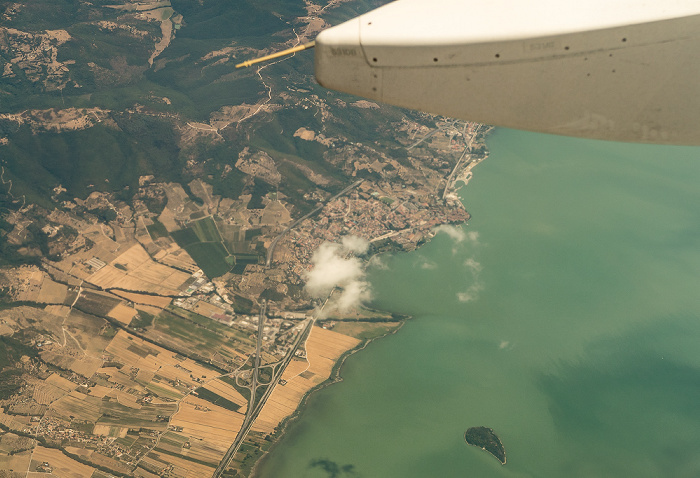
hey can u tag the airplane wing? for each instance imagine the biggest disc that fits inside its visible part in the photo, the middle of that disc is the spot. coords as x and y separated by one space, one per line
625 70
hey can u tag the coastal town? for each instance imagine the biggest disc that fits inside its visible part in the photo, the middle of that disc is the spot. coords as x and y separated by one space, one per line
142 357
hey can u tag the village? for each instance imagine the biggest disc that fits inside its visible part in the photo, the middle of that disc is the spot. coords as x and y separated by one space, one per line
143 356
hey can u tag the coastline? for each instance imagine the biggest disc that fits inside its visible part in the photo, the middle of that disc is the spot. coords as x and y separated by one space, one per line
483 448
414 226
334 378
464 175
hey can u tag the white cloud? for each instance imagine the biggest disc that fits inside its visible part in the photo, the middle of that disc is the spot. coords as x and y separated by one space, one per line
426 264
472 293
456 233
332 268
377 263
472 264
355 244
354 294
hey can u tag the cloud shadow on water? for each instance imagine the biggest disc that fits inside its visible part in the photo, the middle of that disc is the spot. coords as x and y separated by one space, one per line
333 469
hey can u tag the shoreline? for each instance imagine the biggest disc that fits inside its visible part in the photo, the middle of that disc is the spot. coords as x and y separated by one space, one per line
334 378
451 191
484 449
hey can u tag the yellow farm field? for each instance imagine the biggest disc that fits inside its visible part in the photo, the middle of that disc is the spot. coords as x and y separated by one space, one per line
296 367
80 406
18 461
142 273
143 473
126 399
62 466
212 424
52 292
123 313
118 377
13 422
110 431
163 390
202 451
86 366
227 391
182 467
60 382
99 391
45 393
130 350
152 360
145 376
167 218
323 349
175 256
148 300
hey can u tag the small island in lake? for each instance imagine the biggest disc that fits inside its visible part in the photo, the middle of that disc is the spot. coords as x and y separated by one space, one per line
486 439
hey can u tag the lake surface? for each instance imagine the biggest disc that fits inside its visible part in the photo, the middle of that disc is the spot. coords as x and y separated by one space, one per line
567 319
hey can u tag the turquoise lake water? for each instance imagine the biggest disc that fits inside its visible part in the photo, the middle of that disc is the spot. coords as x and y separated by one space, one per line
567 319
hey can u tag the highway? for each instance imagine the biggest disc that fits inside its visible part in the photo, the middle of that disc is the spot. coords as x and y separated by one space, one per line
250 414
255 408
258 353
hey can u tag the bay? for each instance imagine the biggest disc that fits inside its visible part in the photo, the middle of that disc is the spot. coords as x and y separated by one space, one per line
565 315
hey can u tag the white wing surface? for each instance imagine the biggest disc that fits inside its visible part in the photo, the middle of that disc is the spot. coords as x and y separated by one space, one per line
626 70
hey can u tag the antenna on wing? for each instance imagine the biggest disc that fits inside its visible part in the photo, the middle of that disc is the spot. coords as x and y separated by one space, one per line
289 51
